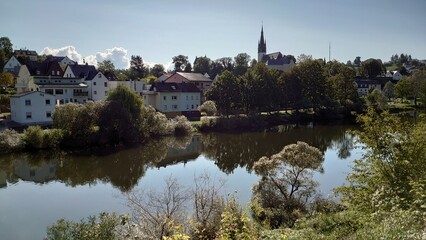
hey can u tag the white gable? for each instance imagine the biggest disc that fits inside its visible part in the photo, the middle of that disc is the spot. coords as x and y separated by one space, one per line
11 64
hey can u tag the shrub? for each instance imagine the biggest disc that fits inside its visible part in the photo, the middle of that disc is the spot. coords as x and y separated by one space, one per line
10 141
33 137
181 125
209 107
103 228
52 138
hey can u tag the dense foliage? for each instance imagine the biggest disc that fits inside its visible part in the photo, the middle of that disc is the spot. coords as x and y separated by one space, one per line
310 84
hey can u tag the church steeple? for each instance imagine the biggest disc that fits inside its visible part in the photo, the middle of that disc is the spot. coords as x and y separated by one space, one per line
261 47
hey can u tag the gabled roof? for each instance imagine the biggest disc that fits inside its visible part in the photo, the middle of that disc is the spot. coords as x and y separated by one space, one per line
51 58
83 71
174 87
43 68
193 77
25 52
164 76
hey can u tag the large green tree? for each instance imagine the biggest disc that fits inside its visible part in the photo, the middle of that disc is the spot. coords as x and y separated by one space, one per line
157 70
7 47
286 184
225 93
341 83
138 70
180 61
106 66
371 68
202 65
241 62
311 76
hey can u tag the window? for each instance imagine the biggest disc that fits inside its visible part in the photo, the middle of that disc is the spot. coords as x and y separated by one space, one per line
59 91
105 84
174 106
187 98
192 106
94 83
53 72
27 102
94 92
47 101
50 91
187 106
192 97
57 73
106 93
174 97
48 114
99 75
164 97
196 97
28 115
165 107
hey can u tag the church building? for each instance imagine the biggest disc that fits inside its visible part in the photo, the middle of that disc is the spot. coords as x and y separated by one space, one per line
274 60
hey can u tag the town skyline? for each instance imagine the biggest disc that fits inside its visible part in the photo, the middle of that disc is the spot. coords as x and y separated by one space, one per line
157 31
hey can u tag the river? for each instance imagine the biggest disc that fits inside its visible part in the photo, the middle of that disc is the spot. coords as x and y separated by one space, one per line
39 188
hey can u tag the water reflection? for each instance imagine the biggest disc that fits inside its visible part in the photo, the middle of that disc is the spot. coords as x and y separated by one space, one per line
124 168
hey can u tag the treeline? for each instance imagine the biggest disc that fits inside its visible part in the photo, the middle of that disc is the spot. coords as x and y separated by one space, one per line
121 120
309 84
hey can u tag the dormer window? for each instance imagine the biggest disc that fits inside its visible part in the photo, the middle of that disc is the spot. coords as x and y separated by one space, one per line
38 72
53 72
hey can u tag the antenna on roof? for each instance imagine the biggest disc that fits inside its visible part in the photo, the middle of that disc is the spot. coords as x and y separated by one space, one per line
84 61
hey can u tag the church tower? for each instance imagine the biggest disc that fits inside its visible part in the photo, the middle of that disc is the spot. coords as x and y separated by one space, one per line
261 47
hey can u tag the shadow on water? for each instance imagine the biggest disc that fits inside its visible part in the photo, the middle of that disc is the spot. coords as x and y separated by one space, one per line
124 168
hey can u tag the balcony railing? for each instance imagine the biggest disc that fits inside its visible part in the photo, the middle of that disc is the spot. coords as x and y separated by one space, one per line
81 94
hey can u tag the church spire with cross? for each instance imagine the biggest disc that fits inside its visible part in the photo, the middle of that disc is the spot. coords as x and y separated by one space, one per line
261 47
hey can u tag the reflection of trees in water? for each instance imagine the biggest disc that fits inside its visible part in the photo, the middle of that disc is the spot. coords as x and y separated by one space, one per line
230 151
122 169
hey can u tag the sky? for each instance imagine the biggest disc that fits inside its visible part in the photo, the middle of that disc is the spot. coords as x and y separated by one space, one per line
157 30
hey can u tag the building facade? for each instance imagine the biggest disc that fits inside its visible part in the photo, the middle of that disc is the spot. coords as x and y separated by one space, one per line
32 108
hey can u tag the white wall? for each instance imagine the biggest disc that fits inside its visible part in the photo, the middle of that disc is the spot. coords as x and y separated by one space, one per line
37 107
185 101
98 87
24 81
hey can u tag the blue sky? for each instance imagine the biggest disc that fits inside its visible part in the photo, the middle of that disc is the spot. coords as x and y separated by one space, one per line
160 29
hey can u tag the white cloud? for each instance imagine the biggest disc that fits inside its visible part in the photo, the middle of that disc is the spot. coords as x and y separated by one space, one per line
117 55
69 51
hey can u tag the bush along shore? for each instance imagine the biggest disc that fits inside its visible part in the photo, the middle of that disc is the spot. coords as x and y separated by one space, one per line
121 120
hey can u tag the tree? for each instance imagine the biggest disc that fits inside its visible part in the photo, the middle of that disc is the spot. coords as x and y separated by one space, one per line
310 73
303 57
106 66
418 81
202 65
371 68
388 90
3 59
215 68
7 47
377 100
357 61
157 70
286 184
227 63
404 88
188 68
225 93
151 79
137 68
341 82
6 79
241 61
180 61
156 213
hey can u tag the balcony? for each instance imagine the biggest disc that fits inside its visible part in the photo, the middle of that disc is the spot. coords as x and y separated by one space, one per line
81 94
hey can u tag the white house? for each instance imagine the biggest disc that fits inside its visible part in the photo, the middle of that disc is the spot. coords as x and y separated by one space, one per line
63 61
173 98
364 86
32 108
396 75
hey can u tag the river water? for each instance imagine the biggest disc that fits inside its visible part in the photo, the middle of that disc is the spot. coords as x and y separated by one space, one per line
39 188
